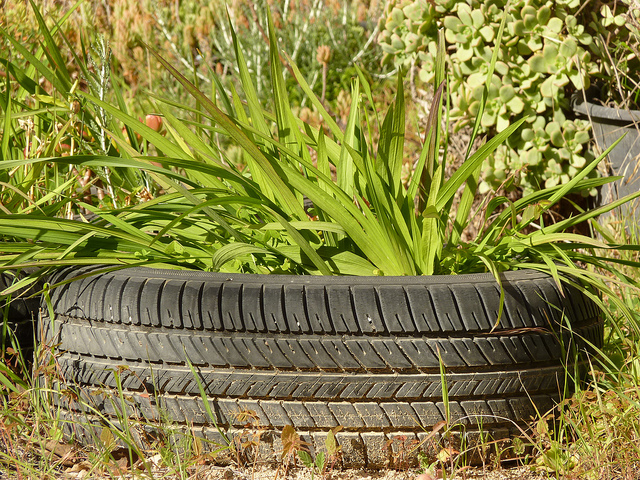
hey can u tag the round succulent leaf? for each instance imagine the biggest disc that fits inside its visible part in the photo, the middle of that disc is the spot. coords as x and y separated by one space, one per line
554 167
388 49
516 105
577 79
397 16
412 42
552 182
523 48
507 92
452 23
559 116
466 69
564 153
464 53
494 91
532 157
557 140
530 21
477 18
484 186
535 43
415 11
569 47
571 21
396 42
450 36
555 25
543 15
560 80
511 42
539 125
527 134
426 73
477 80
582 137
585 39
502 122
569 128
619 20
464 14
578 161
537 63
488 33
550 54
510 28
552 126
474 108
502 68
488 119
477 44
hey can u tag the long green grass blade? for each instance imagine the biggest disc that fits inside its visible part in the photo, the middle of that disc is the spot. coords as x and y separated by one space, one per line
253 101
59 65
270 169
391 146
345 167
304 245
35 62
464 207
422 175
485 90
21 77
326 117
468 168
256 172
6 127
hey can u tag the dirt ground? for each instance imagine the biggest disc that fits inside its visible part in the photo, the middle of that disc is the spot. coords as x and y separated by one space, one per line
208 472
523 473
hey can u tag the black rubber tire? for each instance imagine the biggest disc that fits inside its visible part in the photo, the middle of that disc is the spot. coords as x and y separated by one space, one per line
317 352
19 315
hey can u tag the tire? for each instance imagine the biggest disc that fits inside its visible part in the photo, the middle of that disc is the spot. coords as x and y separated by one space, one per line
17 315
364 353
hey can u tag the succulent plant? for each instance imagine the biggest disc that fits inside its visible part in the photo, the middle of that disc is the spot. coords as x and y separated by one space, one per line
549 49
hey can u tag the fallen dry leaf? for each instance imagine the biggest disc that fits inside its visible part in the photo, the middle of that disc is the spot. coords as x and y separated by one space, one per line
64 452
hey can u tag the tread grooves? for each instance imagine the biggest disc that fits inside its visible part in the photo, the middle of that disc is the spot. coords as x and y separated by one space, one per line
360 352
410 310
329 313
200 312
139 303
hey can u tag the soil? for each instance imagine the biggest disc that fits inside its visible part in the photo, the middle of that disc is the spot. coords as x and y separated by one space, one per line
210 472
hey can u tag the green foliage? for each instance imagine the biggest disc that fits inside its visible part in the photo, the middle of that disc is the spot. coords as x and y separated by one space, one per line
47 118
549 50
618 41
324 460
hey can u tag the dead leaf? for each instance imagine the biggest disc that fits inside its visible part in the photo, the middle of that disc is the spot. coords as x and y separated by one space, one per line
63 451
446 454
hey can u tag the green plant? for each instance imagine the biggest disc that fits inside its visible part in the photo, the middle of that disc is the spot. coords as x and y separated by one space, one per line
617 43
549 50
42 117
323 461
346 29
